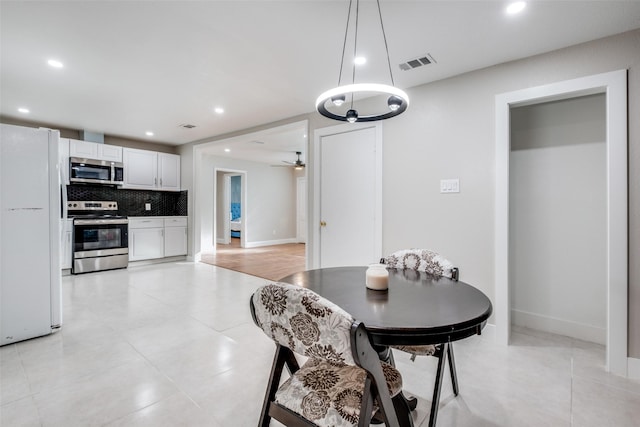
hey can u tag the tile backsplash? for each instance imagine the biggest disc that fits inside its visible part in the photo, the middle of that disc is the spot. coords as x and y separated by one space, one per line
132 202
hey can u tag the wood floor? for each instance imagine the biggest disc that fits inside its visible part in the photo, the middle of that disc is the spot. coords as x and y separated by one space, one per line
269 262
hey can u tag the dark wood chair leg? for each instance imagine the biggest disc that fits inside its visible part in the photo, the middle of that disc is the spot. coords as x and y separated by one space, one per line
281 356
452 370
442 355
403 410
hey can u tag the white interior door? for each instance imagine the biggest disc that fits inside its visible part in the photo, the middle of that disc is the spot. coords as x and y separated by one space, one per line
349 196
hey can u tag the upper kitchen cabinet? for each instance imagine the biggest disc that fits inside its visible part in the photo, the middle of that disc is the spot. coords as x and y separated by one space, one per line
150 170
93 150
140 169
169 171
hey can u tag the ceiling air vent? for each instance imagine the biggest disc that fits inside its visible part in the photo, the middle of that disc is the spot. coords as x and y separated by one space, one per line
187 126
417 62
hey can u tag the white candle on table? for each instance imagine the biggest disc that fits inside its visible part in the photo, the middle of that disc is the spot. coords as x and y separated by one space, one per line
377 277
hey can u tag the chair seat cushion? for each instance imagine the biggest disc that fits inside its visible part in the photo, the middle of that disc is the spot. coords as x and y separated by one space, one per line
418 350
330 394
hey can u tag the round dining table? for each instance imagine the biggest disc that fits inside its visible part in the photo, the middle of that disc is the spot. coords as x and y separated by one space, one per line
417 309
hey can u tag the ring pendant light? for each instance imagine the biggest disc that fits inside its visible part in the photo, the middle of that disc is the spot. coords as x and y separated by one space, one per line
397 101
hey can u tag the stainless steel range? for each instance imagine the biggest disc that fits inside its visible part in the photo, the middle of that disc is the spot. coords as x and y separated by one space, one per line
100 236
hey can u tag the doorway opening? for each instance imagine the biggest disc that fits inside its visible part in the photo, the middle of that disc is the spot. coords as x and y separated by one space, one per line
613 86
230 202
558 216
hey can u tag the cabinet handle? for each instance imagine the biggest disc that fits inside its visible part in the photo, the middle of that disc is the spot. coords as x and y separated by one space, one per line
160 182
155 181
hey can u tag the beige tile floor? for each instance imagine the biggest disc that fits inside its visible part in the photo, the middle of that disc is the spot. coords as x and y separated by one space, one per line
174 345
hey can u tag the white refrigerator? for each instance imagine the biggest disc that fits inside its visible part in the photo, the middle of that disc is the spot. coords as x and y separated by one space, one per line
30 275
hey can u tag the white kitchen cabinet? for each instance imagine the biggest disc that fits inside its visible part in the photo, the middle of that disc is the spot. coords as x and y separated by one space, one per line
151 170
175 236
146 238
66 243
169 171
140 169
93 150
111 153
83 149
157 237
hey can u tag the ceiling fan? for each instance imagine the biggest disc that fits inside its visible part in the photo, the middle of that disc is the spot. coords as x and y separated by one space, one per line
298 164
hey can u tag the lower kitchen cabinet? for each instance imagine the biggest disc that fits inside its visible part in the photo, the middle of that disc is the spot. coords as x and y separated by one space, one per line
157 237
146 238
175 236
66 243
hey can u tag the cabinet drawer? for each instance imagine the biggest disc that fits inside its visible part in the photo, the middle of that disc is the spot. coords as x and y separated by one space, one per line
179 221
146 223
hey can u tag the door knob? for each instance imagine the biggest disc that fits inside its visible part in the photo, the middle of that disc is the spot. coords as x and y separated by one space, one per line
323 224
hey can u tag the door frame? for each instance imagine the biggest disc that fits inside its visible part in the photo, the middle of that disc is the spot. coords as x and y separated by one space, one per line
614 86
301 185
227 200
314 221
226 238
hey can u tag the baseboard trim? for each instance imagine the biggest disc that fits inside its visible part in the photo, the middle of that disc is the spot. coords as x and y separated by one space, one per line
633 368
270 243
157 261
559 326
489 332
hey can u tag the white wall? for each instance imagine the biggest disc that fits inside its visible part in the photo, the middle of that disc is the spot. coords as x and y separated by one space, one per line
449 132
558 241
270 209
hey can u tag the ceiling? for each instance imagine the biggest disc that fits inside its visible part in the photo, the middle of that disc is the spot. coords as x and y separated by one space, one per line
137 66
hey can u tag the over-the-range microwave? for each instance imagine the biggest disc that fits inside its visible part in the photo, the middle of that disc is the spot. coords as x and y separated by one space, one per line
92 171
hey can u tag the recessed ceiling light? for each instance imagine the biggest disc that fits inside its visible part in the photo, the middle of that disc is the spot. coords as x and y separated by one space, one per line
219 110
148 133
23 110
360 60
55 63
516 7
227 150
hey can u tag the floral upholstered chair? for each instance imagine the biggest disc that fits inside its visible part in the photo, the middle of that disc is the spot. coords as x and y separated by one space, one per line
343 383
432 263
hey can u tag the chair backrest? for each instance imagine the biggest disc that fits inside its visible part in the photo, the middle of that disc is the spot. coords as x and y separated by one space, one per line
303 321
421 260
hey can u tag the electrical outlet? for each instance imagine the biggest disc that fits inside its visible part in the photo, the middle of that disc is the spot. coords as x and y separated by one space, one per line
450 185
147 206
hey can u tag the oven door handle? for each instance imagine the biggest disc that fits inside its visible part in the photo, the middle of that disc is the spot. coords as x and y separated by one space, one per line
100 221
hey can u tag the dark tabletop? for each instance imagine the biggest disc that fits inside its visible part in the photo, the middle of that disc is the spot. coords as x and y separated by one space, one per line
418 308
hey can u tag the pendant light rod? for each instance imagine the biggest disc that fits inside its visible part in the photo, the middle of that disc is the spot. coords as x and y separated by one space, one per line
386 46
355 44
344 44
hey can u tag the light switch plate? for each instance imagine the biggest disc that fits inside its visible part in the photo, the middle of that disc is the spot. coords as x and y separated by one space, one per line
450 185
